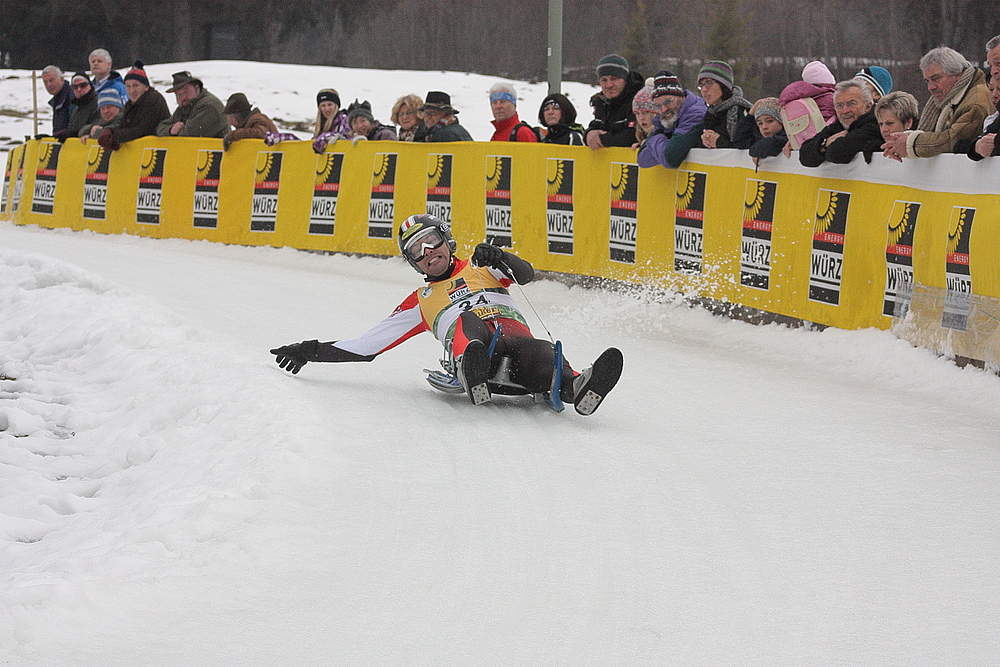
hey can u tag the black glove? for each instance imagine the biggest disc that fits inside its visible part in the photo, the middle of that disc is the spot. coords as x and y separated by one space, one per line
488 255
293 357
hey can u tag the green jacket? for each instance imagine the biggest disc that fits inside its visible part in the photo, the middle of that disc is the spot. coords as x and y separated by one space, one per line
202 117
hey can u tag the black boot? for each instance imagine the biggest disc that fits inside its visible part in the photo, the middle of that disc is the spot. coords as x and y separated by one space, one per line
474 371
591 386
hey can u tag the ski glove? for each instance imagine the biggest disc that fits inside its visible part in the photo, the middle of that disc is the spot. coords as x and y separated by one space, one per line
293 357
488 255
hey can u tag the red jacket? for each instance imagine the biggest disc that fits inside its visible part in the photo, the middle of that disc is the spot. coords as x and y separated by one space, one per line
504 128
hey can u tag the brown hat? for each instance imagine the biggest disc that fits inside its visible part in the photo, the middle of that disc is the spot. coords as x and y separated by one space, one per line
182 79
238 104
438 101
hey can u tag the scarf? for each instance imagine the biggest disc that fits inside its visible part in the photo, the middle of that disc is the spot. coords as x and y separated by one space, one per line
937 115
731 108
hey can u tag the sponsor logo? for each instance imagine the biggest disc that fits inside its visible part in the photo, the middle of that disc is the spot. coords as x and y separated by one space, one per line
44 196
148 197
382 201
95 183
899 258
326 189
498 212
208 169
267 179
559 205
826 262
6 181
957 273
689 221
18 181
755 242
439 186
623 214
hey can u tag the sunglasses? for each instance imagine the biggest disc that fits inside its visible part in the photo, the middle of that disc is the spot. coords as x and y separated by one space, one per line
80 86
416 249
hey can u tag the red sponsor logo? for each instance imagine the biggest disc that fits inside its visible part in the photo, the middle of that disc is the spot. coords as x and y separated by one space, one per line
829 237
757 225
689 214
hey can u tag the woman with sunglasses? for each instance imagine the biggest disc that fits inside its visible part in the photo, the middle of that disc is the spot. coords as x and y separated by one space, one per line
467 307
85 112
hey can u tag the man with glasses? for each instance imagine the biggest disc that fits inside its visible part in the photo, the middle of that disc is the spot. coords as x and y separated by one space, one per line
440 123
855 131
467 307
959 104
678 112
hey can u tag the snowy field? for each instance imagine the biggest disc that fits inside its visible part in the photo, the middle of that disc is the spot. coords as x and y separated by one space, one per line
746 496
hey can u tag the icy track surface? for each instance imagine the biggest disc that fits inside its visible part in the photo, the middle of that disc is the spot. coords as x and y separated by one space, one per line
747 496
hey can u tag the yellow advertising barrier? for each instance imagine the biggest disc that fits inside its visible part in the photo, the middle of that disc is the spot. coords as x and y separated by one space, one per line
910 246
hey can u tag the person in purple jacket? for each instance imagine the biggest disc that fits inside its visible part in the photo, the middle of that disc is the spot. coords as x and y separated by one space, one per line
679 111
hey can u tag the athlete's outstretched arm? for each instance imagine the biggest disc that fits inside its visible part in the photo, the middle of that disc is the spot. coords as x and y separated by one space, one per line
519 270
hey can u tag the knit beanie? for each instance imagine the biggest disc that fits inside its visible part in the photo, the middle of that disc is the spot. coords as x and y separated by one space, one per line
717 70
109 96
878 77
360 110
238 104
613 65
643 100
666 83
328 95
767 106
137 73
817 74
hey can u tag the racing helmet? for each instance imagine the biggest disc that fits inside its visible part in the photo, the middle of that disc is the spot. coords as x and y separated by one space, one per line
422 231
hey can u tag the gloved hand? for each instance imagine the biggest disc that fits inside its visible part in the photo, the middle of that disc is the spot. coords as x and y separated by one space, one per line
107 139
272 138
293 357
488 255
357 138
319 144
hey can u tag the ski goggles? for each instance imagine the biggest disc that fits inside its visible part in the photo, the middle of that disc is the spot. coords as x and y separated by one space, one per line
417 247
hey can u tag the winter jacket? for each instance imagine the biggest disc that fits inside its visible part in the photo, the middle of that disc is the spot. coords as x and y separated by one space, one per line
202 117
115 81
566 135
338 125
503 129
653 150
62 109
961 117
615 116
823 94
728 118
84 115
136 119
769 146
969 145
448 129
255 126
863 137
380 132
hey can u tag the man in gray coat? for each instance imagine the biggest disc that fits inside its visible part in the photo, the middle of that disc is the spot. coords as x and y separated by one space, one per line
199 113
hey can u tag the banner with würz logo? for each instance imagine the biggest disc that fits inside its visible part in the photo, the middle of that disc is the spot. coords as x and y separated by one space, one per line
899 258
95 183
559 205
439 186
149 197
957 272
208 170
758 226
689 221
267 182
326 190
498 210
44 196
382 201
624 212
826 262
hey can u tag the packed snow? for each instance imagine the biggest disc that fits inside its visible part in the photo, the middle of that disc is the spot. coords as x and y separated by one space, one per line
746 495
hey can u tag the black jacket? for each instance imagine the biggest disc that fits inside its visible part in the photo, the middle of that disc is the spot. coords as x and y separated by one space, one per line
615 116
864 137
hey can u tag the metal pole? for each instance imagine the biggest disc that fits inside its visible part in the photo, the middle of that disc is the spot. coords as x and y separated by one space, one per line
34 100
555 46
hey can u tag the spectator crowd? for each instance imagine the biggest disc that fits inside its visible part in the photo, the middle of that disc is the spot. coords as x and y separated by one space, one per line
817 118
